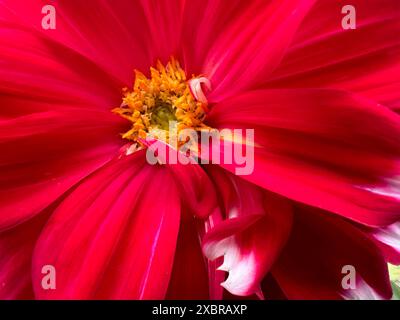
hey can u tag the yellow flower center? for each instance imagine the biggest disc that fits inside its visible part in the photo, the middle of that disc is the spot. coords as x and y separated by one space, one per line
161 100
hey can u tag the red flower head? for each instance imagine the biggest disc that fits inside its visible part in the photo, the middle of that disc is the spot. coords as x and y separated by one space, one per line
79 197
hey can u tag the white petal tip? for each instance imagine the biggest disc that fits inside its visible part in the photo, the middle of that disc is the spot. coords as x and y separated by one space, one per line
195 85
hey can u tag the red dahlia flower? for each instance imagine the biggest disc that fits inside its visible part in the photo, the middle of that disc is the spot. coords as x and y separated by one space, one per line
75 195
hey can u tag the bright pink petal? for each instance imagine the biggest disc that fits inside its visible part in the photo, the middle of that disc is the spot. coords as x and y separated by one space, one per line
189 278
326 148
310 266
196 189
246 45
251 237
102 32
40 75
164 20
114 237
16 247
44 154
134 33
203 24
365 60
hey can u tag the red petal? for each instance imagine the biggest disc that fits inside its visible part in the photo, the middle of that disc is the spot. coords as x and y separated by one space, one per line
164 20
16 247
252 236
101 32
196 188
321 244
365 60
251 43
326 148
114 237
44 154
40 75
189 278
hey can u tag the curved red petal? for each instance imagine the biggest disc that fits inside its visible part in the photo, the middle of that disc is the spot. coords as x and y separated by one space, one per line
43 155
326 148
364 60
321 244
114 237
250 239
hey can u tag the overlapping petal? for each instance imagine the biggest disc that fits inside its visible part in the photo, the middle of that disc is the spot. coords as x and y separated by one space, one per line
197 192
256 227
46 153
102 33
114 237
129 230
326 148
16 247
47 76
388 239
364 60
249 43
189 282
321 244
